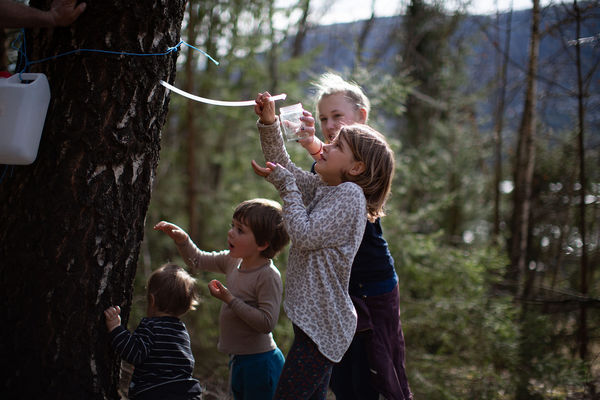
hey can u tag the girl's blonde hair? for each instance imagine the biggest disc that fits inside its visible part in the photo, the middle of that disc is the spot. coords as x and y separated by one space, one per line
370 147
330 83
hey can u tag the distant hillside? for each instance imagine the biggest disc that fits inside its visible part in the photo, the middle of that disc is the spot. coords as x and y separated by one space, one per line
557 83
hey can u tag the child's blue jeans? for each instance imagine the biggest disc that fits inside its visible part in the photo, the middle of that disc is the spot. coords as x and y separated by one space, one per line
255 376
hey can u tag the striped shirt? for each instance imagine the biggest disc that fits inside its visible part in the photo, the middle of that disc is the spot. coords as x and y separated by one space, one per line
160 349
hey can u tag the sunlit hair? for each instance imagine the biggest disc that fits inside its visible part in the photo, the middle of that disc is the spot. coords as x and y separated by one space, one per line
265 219
370 147
330 83
173 289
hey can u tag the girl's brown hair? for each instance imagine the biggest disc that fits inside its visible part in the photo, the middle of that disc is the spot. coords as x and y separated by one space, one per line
173 289
370 147
265 219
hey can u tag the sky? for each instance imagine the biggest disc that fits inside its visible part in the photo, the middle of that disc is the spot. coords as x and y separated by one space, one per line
352 10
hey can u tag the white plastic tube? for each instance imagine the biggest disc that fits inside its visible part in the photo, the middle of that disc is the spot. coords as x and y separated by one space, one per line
217 102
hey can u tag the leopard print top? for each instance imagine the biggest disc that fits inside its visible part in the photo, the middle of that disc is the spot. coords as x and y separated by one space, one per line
326 225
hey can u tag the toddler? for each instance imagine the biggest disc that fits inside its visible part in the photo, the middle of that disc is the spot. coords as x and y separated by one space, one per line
160 347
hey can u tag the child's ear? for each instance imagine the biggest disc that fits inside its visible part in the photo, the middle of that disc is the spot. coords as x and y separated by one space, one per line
358 167
362 115
263 246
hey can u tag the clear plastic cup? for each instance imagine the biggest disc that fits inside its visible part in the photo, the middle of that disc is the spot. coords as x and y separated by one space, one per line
290 122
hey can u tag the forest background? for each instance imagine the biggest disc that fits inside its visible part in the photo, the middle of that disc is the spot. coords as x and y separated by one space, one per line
493 219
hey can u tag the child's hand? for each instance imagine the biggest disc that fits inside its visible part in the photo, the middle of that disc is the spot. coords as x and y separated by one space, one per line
178 235
307 130
265 108
263 171
219 291
113 319
277 174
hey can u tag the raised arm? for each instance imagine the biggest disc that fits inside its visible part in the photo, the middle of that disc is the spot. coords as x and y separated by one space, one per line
194 258
311 143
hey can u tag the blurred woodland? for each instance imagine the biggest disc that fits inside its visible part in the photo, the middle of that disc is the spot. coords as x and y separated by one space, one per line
494 217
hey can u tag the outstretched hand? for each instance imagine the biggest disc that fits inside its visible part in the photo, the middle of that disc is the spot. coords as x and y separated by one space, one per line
113 318
219 291
178 235
263 171
265 108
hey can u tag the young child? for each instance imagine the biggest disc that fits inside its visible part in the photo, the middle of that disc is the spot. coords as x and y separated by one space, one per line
252 298
374 363
325 216
159 348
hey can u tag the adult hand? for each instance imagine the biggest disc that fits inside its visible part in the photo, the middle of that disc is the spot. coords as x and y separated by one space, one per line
178 235
113 319
65 12
265 108
18 15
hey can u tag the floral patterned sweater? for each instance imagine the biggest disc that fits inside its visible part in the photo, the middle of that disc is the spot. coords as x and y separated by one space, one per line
326 225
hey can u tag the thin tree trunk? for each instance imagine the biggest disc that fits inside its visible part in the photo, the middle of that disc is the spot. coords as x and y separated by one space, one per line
525 160
524 163
582 335
499 120
273 54
72 222
362 38
302 29
191 108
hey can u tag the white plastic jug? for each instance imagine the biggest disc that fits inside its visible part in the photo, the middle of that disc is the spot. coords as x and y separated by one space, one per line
23 106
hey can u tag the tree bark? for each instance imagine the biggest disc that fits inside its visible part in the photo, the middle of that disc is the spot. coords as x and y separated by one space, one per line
72 222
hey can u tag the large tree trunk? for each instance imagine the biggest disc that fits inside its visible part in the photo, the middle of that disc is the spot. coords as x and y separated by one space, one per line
72 222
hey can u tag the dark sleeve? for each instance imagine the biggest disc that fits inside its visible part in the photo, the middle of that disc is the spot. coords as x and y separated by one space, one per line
133 347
